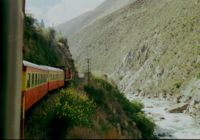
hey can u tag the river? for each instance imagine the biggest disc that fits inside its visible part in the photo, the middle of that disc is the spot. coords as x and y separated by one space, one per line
169 125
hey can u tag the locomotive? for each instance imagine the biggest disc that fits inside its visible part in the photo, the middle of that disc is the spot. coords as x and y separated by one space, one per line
38 80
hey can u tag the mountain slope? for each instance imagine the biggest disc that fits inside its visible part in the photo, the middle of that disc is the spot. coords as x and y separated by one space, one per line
149 48
71 27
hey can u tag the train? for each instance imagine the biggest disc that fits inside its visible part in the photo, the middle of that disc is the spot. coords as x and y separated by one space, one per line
38 80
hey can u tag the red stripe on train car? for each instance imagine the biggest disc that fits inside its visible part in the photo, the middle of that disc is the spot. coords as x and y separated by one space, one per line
61 83
34 95
55 84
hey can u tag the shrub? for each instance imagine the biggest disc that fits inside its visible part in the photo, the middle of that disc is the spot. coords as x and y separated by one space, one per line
198 75
100 90
129 107
177 84
75 108
95 94
145 124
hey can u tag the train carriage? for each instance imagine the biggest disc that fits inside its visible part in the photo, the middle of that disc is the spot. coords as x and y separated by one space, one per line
55 78
34 83
38 80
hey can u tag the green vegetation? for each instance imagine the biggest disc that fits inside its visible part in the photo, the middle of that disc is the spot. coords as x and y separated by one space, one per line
97 110
40 44
177 84
74 108
198 75
59 112
104 94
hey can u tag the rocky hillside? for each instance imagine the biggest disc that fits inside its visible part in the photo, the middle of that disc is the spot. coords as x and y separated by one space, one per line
148 47
76 24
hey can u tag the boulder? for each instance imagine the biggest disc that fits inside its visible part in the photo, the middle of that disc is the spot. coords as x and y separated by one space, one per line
149 107
162 118
178 108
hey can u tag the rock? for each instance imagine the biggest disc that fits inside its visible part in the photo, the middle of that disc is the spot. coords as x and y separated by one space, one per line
162 118
149 107
178 108
164 95
161 134
178 99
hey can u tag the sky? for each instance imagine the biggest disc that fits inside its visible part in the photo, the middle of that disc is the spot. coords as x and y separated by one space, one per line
54 12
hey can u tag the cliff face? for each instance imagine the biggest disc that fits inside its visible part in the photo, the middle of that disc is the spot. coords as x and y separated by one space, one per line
148 47
65 54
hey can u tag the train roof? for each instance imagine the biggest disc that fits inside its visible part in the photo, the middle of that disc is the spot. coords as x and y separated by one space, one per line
51 68
29 64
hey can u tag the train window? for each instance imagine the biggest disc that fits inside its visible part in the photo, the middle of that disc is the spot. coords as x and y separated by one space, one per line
35 78
32 83
38 79
28 80
42 79
47 77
